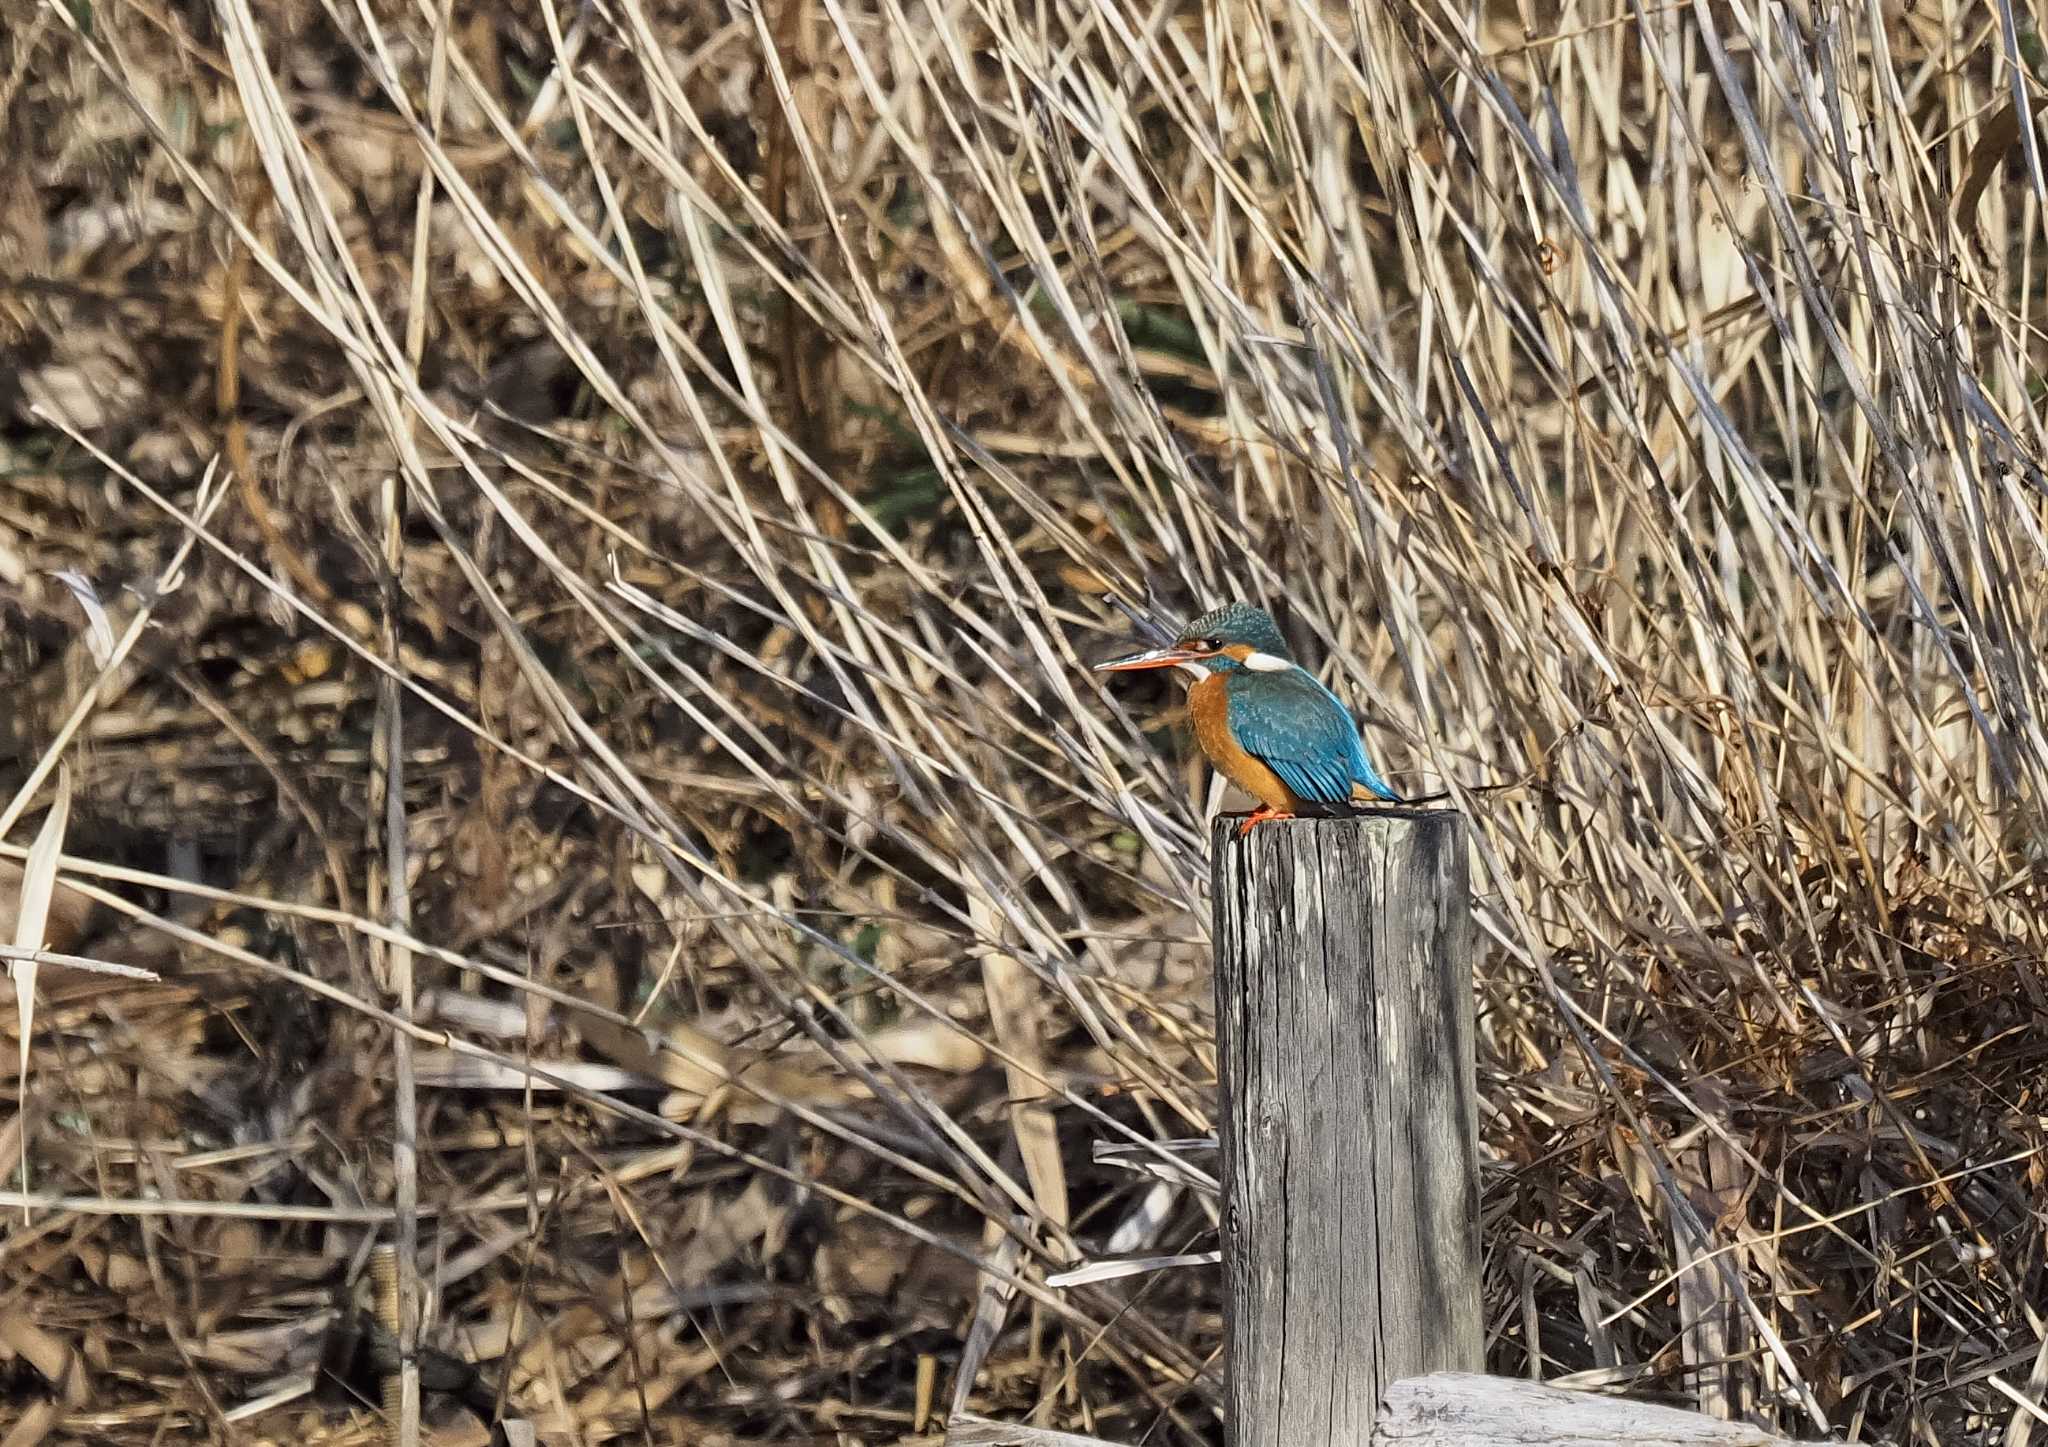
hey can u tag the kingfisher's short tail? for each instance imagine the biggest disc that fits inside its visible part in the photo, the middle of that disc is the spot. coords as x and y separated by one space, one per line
1372 786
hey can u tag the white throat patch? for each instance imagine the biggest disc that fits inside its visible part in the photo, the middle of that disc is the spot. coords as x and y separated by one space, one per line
1267 663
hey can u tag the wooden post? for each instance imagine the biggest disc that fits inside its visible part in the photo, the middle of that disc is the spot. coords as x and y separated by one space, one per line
1349 1118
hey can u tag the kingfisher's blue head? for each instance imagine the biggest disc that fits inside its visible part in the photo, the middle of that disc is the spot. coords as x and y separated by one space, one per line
1237 635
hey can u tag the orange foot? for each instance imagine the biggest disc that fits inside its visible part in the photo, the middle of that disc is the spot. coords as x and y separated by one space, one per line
1260 815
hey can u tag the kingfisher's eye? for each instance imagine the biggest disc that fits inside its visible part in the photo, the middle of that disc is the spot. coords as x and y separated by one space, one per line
1207 645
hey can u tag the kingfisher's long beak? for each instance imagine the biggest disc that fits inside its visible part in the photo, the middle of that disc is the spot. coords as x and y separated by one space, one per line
1151 658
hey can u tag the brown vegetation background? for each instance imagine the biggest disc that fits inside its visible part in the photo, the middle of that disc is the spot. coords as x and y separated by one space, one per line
589 524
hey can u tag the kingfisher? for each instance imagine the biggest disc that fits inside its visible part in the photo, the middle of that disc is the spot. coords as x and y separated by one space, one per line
1266 723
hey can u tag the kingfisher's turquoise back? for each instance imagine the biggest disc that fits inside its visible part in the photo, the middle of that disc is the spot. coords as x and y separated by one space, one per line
1303 732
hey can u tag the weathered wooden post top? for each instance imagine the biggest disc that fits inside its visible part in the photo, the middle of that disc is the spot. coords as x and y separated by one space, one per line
1349 1119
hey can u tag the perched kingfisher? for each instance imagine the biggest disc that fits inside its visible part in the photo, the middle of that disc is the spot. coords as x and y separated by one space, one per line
1265 722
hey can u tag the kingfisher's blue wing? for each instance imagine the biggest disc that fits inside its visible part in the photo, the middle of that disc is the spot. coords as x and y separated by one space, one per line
1303 733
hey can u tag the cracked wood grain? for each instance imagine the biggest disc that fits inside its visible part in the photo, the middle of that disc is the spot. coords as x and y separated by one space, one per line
1349 1135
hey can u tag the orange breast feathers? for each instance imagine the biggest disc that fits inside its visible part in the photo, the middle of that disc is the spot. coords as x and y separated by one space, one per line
1209 707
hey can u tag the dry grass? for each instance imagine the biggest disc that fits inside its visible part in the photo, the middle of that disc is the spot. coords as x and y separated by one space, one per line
615 798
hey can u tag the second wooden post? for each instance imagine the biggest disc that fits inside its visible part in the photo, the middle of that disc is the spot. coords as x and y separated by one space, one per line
1349 1118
